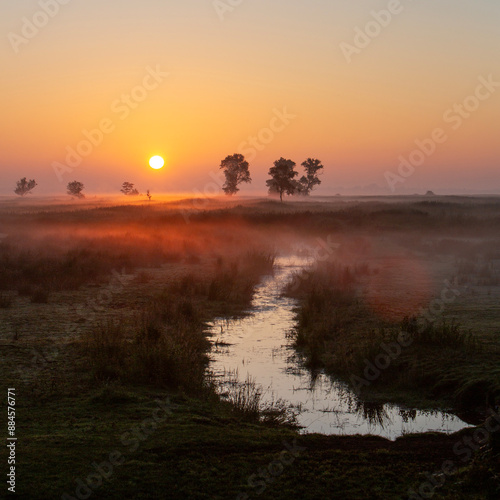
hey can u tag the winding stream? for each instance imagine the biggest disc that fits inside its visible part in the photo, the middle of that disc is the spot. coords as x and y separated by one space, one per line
257 347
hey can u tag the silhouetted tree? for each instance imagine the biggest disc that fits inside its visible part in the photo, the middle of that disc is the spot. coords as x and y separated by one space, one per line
149 195
307 182
128 189
23 187
75 188
282 178
236 171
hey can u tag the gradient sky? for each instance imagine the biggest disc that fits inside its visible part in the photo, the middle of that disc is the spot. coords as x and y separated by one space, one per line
227 77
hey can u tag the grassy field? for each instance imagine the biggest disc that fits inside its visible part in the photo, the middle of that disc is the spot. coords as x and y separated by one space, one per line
442 291
103 307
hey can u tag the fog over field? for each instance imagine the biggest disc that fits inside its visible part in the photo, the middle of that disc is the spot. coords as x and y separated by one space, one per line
368 316
250 249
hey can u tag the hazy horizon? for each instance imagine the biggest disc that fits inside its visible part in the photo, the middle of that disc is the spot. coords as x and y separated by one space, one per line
361 86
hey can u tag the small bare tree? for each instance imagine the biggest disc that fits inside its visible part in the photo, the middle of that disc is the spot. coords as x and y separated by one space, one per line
23 187
149 195
75 188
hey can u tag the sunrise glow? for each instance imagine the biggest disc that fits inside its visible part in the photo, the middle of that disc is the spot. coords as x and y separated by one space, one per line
212 81
156 162
250 249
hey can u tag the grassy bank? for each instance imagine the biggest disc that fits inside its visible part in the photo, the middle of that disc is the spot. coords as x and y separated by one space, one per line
199 449
433 362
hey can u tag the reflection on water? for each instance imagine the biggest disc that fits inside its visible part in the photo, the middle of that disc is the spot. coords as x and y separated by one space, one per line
258 347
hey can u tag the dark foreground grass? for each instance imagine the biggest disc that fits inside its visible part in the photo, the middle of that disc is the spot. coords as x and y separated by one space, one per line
198 449
120 397
119 434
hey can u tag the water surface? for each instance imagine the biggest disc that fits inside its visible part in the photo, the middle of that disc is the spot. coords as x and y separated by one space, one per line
257 346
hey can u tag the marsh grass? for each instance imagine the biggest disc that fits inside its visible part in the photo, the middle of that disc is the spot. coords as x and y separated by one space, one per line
163 346
336 331
89 261
450 335
246 400
327 316
260 262
106 346
23 270
245 397
229 282
66 432
225 287
234 281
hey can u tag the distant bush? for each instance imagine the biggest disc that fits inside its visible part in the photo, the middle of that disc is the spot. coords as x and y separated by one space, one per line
23 187
75 189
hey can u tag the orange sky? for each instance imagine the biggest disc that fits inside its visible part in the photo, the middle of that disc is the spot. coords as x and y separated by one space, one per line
227 80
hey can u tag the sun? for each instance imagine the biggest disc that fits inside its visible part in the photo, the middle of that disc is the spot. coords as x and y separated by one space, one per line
156 162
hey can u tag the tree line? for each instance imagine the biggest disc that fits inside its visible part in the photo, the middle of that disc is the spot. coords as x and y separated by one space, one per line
74 188
283 179
283 176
